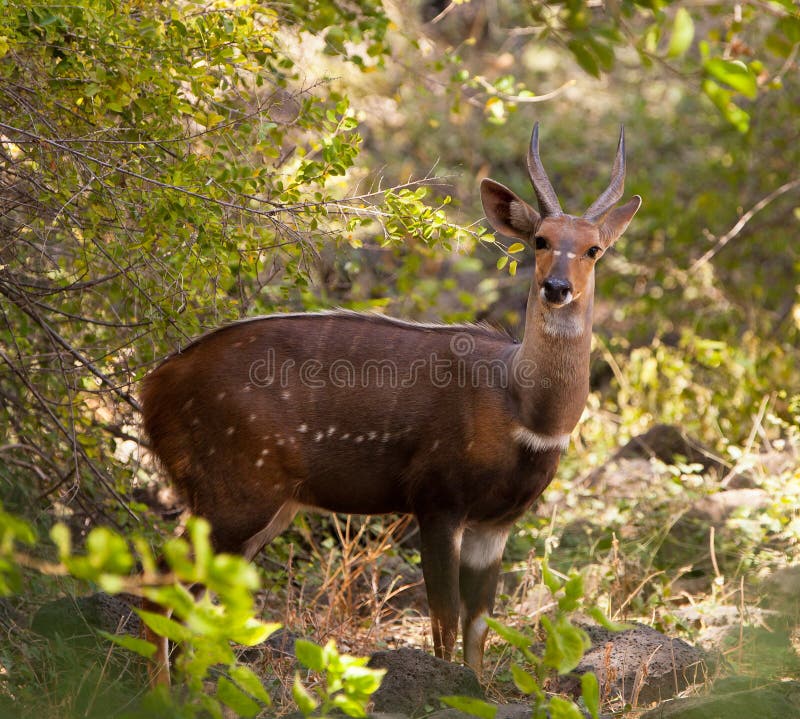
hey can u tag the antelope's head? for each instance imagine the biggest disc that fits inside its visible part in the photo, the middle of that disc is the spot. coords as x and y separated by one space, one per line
566 247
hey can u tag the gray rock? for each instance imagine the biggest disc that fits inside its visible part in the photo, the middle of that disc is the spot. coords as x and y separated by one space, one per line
639 664
780 700
75 616
415 679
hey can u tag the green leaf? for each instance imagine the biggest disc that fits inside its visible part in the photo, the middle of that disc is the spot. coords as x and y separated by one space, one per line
511 635
62 539
733 73
551 581
471 705
230 695
523 680
590 692
138 646
565 644
585 59
564 709
682 33
573 593
353 706
310 655
253 632
516 247
502 262
247 679
596 614
306 703
164 626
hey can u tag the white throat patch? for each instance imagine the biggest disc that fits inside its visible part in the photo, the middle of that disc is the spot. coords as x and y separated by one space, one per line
566 325
539 442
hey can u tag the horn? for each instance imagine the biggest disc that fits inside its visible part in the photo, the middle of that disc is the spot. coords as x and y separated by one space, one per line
613 192
545 194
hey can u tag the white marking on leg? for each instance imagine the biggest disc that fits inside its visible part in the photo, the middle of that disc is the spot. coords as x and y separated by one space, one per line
539 442
482 546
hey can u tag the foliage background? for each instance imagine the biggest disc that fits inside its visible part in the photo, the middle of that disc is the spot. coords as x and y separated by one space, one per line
168 167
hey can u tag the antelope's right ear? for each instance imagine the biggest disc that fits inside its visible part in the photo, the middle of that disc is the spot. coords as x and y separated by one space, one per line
506 212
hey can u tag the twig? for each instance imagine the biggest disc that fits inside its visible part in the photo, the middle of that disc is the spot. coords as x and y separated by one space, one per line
743 220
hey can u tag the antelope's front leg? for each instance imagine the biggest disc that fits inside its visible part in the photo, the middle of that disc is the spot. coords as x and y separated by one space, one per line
441 546
481 554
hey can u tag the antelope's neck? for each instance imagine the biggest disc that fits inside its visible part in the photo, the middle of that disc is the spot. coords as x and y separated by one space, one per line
550 377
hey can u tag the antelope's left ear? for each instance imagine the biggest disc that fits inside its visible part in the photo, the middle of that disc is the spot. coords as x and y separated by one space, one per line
616 221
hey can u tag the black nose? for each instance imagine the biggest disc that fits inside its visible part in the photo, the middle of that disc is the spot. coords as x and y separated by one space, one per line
556 290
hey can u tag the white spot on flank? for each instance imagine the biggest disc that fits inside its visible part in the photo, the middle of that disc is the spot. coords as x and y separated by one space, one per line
345 436
539 442
280 442
253 417
557 253
211 451
386 437
318 436
237 344
571 255
359 439
302 428
195 422
221 395
435 446
259 462
372 435
230 431
331 430
188 404
483 546
286 394
264 452
247 388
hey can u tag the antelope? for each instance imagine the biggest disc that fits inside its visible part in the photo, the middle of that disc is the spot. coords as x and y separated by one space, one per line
459 425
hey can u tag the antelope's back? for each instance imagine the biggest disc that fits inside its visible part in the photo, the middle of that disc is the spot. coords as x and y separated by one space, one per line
330 410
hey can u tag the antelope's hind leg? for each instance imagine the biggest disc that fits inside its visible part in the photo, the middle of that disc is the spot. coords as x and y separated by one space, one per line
481 554
441 543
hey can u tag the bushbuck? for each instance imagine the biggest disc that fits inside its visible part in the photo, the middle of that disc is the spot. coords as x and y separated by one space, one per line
459 425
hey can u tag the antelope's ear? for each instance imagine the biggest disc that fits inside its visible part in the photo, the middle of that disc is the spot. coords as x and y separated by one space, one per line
506 212
614 222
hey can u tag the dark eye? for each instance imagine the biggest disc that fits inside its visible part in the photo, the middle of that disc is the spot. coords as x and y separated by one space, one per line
594 252
541 243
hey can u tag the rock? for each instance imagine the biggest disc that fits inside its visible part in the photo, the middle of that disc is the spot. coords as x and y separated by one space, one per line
717 508
74 616
780 700
669 444
415 679
781 591
504 711
639 664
